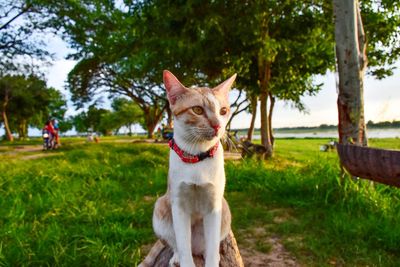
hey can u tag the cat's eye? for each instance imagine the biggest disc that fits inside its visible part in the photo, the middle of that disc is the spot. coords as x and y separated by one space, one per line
223 111
198 110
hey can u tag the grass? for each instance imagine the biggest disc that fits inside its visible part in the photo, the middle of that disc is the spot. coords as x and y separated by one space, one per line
92 205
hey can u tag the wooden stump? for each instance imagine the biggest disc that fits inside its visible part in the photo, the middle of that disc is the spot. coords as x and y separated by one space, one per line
160 255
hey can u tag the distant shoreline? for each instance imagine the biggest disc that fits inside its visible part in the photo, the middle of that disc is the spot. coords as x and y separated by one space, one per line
314 132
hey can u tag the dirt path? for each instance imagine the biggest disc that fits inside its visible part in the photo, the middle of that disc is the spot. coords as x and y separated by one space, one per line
277 256
12 151
260 250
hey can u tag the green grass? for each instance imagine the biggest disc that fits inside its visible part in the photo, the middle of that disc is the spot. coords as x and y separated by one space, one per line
321 218
88 207
92 206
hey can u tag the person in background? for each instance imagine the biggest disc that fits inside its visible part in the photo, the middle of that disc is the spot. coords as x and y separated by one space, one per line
51 132
56 132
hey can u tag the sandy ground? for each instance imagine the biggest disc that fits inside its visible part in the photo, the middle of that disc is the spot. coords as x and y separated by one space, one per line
277 256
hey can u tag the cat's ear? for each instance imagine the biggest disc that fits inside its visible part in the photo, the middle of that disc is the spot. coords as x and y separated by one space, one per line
223 88
173 86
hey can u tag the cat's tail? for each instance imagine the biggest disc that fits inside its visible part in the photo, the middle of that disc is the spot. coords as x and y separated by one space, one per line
153 254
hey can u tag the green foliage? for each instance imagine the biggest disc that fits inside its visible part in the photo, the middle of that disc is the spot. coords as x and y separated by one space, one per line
381 21
21 35
91 120
125 113
29 102
383 124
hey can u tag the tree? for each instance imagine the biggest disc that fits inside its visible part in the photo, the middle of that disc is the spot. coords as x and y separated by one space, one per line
374 42
106 37
28 101
352 62
20 26
126 113
258 39
124 48
99 120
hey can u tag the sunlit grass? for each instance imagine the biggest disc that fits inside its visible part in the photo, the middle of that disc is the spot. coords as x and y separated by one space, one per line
92 206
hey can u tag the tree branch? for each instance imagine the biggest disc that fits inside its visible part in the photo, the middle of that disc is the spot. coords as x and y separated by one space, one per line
24 10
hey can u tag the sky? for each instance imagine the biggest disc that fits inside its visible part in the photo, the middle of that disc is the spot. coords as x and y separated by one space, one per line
381 97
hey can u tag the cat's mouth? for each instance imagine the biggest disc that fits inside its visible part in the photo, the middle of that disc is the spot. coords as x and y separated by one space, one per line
211 135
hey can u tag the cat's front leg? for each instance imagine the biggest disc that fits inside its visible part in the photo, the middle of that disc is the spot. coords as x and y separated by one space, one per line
182 228
212 235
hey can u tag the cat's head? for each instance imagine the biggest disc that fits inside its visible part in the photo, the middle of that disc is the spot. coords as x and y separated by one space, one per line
200 113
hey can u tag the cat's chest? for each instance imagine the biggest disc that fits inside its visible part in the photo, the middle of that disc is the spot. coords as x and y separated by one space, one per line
208 171
195 198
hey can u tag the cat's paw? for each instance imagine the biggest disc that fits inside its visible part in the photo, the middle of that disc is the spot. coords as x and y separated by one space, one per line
174 261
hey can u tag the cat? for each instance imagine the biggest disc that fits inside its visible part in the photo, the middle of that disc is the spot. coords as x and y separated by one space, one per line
193 216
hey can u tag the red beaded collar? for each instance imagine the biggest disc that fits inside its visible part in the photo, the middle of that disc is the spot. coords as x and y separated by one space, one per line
188 158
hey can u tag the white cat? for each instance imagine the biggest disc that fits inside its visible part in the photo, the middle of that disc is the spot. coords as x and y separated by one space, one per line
193 216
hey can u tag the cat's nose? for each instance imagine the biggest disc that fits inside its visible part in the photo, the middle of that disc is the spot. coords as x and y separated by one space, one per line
216 129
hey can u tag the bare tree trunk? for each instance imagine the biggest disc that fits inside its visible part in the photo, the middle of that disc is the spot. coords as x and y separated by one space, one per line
152 116
160 255
351 61
150 129
9 135
265 74
169 117
271 109
22 129
253 103
130 130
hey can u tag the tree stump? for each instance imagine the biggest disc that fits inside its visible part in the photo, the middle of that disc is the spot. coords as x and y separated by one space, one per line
160 254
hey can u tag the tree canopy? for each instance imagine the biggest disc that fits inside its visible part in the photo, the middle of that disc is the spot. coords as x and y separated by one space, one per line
276 47
27 101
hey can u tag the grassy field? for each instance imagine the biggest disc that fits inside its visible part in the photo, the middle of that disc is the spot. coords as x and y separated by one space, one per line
92 206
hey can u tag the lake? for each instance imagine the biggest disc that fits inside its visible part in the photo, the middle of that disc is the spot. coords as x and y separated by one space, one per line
372 133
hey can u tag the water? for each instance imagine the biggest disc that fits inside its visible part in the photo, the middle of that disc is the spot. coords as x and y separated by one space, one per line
372 133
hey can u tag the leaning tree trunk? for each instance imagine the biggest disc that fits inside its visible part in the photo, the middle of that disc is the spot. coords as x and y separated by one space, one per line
152 116
253 103
160 254
9 135
351 62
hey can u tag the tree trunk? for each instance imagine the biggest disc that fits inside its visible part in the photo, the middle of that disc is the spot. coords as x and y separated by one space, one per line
150 129
130 129
169 117
351 61
271 109
253 103
9 135
22 129
152 116
265 75
160 255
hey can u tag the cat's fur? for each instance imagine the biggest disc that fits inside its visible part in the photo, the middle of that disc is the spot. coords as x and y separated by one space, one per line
193 216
